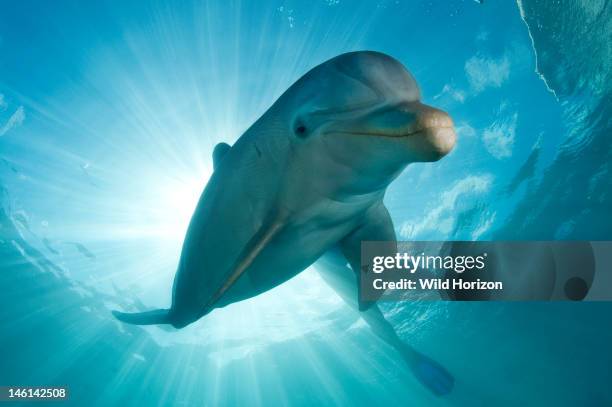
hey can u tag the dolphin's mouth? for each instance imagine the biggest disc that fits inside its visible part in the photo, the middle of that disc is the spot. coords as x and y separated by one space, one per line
402 121
398 133
426 132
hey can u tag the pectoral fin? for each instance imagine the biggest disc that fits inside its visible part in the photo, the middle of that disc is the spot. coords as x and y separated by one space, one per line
377 226
250 252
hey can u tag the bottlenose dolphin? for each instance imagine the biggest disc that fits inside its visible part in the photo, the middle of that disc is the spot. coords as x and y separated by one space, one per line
306 179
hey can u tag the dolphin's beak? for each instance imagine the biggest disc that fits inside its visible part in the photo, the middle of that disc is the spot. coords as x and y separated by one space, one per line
428 132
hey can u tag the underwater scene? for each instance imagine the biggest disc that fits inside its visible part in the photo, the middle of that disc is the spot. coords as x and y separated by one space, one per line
111 119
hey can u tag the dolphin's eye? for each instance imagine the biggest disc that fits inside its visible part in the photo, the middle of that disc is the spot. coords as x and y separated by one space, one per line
300 130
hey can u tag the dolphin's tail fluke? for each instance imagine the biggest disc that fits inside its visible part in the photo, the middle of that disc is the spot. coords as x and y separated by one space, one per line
158 316
429 372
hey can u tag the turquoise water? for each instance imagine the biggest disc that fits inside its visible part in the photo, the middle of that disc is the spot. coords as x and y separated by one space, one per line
108 117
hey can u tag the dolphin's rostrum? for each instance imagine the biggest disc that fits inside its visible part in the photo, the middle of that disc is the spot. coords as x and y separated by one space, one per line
304 183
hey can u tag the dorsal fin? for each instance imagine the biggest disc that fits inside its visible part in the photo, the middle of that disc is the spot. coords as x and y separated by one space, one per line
218 153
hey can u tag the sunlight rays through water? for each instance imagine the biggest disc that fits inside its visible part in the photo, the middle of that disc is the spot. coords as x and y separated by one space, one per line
121 105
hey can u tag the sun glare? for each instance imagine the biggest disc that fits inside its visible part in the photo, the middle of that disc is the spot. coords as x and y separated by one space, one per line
177 202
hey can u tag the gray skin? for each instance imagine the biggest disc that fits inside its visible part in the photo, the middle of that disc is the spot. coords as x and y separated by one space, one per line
306 182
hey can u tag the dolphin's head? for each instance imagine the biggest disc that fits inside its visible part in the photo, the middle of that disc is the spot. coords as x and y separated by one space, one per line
362 111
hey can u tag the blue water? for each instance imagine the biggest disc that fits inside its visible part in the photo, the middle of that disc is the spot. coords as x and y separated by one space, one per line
108 116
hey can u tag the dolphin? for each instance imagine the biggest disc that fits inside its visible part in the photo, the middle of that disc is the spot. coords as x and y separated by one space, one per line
306 182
